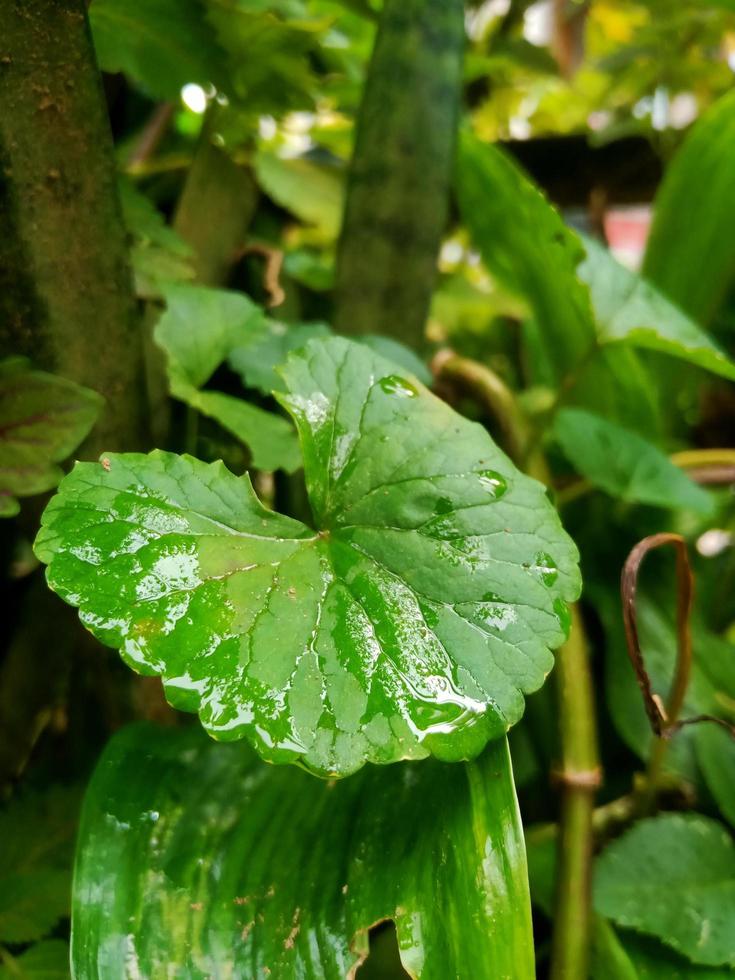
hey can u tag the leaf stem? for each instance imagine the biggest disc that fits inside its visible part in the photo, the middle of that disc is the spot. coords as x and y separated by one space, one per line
580 777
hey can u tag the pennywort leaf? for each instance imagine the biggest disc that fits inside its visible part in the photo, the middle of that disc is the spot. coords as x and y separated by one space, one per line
43 418
196 859
410 619
673 877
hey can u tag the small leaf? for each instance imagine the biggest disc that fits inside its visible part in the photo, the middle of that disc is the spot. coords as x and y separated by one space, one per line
196 860
47 960
691 253
673 877
629 309
624 464
35 863
654 961
198 331
43 418
410 621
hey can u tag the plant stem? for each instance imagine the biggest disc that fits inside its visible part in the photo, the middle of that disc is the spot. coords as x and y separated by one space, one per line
491 393
66 296
580 777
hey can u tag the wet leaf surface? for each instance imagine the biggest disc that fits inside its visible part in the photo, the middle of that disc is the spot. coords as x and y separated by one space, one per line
196 859
409 620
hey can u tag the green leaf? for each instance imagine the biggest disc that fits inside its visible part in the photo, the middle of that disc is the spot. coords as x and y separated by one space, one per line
199 328
629 309
673 877
37 832
43 418
195 859
624 464
198 331
654 961
691 252
158 255
711 688
161 44
312 192
256 361
410 621
527 247
47 960
715 753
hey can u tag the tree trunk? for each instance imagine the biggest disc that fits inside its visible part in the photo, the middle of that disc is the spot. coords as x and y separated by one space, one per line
66 297
398 191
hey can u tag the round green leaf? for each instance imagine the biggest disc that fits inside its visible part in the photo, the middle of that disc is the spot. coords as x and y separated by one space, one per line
409 620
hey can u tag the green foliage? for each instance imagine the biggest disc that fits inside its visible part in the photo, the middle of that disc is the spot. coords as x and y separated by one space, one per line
163 44
43 419
690 251
673 877
168 812
394 651
198 331
37 831
47 960
623 464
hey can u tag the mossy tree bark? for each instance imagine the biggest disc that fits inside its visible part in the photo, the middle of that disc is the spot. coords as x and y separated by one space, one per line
398 191
66 297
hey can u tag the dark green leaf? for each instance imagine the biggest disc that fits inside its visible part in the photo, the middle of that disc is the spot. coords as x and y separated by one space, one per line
43 418
624 464
652 960
37 834
630 310
198 331
47 960
195 859
691 249
161 44
673 877
411 621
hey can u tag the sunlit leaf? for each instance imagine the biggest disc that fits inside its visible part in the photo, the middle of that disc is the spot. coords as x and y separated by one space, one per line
410 620
43 418
673 877
196 858
313 192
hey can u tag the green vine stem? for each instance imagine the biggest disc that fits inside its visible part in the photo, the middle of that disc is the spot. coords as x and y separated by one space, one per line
579 773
